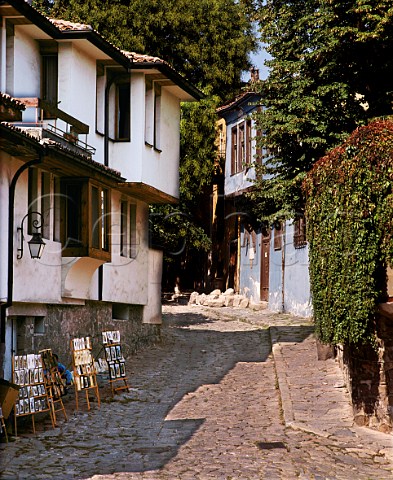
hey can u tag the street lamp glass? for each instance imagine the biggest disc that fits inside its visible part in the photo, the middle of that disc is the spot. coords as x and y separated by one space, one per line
36 245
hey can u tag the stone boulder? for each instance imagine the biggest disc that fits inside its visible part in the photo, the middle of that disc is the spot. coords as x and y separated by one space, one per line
193 298
229 291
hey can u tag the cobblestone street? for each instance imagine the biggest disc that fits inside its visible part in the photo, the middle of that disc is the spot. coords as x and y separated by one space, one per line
215 400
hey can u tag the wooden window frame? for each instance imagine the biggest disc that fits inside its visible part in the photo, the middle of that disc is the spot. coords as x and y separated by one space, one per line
157 118
132 217
242 147
46 203
299 234
128 233
278 232
248 141
43 197
49 81
234 150
123 112
123 228
84 220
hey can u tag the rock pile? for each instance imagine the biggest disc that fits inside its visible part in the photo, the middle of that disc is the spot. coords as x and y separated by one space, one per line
227 299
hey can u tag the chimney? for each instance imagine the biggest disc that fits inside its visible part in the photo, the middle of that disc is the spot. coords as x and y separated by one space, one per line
254 74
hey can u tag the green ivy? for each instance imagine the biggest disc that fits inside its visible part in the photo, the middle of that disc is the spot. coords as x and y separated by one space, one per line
349 202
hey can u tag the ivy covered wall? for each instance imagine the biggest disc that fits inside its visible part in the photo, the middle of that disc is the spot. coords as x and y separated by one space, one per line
349 209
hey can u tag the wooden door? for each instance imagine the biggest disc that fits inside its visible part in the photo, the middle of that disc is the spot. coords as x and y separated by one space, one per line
265 260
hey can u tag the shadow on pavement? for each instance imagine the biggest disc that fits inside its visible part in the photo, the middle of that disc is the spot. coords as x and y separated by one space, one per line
132 432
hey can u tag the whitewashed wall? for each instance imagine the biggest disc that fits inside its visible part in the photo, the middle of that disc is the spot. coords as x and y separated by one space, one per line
161 170
126 279
77 85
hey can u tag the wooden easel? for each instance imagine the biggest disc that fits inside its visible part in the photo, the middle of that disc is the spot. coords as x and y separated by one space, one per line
53 383
115 360
2 425
28 373
85 375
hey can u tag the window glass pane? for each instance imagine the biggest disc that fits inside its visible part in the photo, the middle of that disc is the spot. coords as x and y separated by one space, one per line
123 111
248 142
100 101
242 151
105 220
49 78
45 204
57 209
95 218
157 119
300 239
277 236
149 99
73 200
123 229
234 150
133 231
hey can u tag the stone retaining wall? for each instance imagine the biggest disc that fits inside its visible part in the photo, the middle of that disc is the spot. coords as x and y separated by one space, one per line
62 323
369 377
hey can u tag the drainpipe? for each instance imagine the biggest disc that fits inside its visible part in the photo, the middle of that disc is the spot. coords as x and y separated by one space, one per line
10 269
283 267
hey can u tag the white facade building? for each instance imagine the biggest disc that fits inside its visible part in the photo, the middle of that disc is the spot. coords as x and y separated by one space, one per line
97 142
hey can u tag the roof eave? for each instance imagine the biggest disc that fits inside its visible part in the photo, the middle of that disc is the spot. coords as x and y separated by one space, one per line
170 73
98 41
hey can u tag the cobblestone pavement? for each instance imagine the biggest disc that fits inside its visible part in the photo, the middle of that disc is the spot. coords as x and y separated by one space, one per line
213 401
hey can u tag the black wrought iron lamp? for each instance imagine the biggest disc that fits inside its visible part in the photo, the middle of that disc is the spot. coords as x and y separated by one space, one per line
36 243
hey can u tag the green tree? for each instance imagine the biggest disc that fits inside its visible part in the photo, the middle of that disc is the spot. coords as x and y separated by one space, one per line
330 72
208 41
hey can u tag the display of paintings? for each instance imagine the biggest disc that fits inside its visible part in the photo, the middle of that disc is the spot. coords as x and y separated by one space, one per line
101 365
112 336
83 343
28 369
52 375
84 365
114 355
28 373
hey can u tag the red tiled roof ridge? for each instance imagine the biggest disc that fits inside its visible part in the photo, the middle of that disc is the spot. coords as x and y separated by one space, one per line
5 98
87 158
64 25
235 100
59 146
140 58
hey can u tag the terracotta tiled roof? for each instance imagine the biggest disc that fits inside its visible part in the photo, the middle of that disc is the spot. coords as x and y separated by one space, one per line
86 158
238 99
56 145
65 25
139 58
6 99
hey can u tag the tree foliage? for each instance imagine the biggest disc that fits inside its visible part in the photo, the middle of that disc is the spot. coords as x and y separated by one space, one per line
349 214
329 73
208 41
